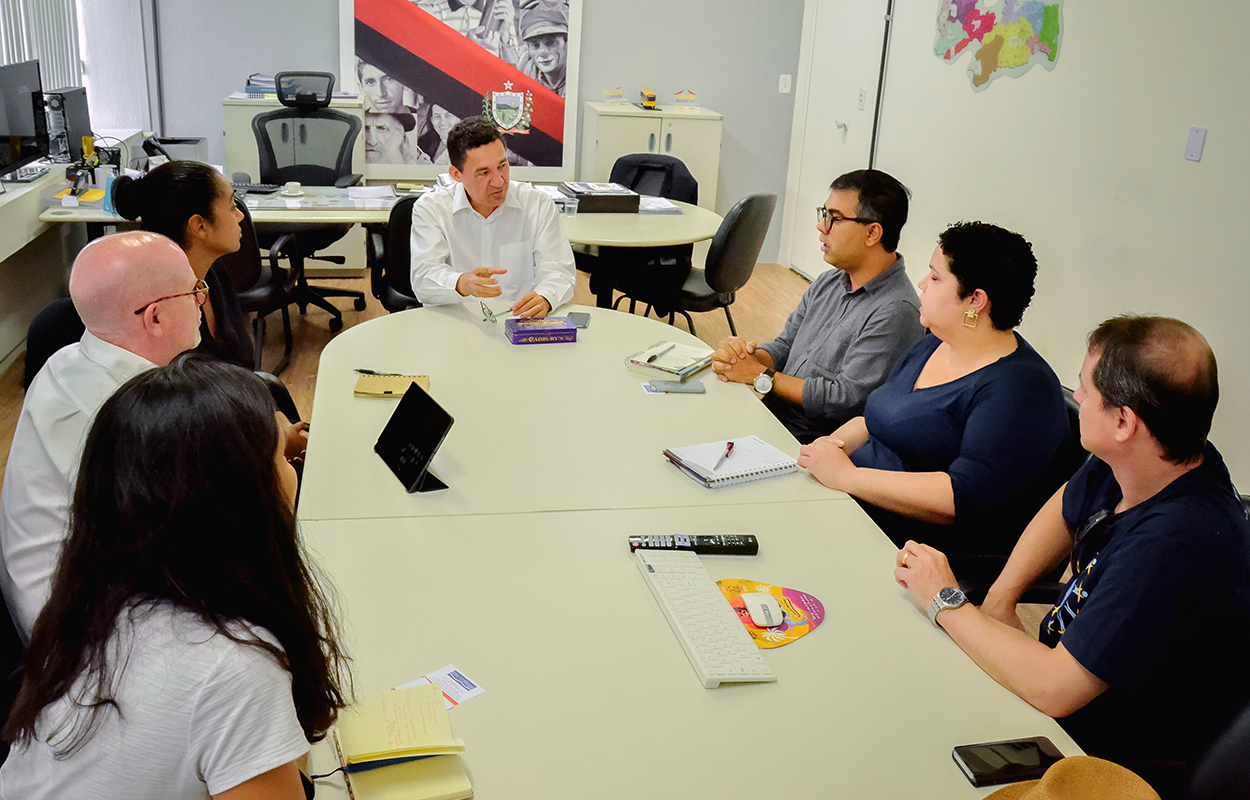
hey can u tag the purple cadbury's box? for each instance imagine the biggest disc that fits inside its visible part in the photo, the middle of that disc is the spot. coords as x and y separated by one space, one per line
543 330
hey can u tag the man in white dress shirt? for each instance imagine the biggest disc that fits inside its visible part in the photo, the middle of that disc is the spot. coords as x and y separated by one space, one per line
140 303
489 237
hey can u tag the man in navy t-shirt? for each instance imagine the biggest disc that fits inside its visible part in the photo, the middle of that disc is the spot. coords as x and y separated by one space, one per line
1140 658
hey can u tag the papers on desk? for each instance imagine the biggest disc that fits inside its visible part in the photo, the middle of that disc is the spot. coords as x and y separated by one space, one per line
670 361
361 192
753 459
455 684
399 744
656 205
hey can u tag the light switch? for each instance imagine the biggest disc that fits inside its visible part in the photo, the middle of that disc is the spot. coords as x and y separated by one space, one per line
783 85
1193 147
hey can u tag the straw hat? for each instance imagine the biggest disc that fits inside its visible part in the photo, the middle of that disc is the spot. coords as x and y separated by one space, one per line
1080 778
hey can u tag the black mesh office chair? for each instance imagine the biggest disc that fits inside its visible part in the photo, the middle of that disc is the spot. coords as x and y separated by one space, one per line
656 272
730 260
307 142
390 260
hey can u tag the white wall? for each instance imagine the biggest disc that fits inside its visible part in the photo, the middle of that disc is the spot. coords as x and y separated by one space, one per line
730 53
111 38
207 52
1086 162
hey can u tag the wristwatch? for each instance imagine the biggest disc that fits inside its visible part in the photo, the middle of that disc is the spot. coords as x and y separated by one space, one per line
764 381
950 597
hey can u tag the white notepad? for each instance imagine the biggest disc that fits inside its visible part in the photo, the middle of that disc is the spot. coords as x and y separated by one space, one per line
753 459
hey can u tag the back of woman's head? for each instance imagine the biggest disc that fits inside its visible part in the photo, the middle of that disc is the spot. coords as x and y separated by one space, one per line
167 197
178 500
995 260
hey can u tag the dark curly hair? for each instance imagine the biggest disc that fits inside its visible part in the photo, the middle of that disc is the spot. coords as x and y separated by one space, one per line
995 260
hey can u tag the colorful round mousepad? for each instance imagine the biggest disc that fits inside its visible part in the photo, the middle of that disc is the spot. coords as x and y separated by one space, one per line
803 613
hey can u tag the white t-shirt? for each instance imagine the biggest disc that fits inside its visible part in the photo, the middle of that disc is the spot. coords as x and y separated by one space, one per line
523 236
201 714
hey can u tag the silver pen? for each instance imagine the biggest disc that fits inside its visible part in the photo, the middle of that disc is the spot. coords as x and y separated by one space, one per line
662 352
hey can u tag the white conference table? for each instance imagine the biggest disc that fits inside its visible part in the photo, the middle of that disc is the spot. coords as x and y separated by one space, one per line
589 694
537 428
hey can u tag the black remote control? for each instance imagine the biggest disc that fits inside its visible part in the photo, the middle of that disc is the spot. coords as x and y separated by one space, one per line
723 545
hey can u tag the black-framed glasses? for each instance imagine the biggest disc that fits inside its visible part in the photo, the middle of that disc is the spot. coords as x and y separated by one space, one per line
826 217
200 291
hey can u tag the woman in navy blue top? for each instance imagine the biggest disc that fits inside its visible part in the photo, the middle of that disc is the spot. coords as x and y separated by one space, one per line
969 435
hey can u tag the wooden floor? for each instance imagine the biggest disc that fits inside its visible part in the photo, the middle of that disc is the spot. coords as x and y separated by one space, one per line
759 312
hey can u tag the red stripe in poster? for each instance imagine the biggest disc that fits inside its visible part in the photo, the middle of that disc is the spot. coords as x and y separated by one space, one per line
460 58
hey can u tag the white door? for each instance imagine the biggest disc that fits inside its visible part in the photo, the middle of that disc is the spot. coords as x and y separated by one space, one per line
845 52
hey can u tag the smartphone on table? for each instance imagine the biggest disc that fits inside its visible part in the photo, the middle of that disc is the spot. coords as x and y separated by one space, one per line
1009 761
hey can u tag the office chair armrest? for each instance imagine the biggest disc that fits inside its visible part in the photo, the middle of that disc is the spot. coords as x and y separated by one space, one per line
289 277
349 180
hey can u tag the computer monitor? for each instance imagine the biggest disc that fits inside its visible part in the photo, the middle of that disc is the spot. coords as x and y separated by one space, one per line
23 123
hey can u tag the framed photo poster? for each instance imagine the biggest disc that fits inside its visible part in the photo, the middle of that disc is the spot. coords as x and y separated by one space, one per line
420 66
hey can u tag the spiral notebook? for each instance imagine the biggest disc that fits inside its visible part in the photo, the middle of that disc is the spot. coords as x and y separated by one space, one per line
753 459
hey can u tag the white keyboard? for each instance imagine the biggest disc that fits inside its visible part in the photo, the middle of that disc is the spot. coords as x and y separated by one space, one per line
715 641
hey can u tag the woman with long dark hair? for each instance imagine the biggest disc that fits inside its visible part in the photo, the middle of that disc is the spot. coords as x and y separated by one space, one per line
193 204
187 649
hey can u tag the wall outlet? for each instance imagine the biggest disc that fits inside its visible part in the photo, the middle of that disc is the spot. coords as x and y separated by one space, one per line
863 96
783 85
1193 145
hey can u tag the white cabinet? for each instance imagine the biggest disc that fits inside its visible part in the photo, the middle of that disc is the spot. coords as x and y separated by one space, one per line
690 134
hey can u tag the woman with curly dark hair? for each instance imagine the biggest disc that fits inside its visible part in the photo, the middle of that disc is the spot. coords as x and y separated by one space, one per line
969 435
188 649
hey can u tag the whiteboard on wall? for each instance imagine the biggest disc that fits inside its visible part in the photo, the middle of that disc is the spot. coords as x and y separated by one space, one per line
422 65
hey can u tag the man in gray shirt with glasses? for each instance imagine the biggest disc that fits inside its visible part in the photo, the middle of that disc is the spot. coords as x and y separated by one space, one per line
852 324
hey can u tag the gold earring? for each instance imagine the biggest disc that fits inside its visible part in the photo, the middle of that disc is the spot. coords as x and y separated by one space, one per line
970 318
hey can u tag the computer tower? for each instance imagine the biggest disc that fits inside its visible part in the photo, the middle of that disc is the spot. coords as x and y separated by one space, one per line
68 122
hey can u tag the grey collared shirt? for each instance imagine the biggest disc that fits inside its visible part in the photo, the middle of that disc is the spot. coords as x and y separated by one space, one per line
843 344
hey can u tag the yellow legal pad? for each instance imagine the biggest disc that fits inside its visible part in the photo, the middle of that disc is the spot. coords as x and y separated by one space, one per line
437 778
403 722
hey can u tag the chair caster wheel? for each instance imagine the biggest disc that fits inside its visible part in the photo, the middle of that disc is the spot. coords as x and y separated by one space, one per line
336 324
359 304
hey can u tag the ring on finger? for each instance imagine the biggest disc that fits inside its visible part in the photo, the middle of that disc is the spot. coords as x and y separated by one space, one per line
906 553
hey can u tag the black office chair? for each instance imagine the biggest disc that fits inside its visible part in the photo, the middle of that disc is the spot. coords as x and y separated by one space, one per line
730 260
390 259
262 287
309 143
56 326
656 272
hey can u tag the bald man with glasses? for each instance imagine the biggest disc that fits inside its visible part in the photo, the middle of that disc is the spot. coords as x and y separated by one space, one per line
140 303
853 322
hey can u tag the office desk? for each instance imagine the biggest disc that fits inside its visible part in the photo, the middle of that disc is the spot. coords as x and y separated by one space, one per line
319 204
537 427
694 224
589 693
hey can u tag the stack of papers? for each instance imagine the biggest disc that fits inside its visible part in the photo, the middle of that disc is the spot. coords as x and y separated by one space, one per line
656 205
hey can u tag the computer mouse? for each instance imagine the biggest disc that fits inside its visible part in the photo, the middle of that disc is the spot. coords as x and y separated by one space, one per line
764 609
